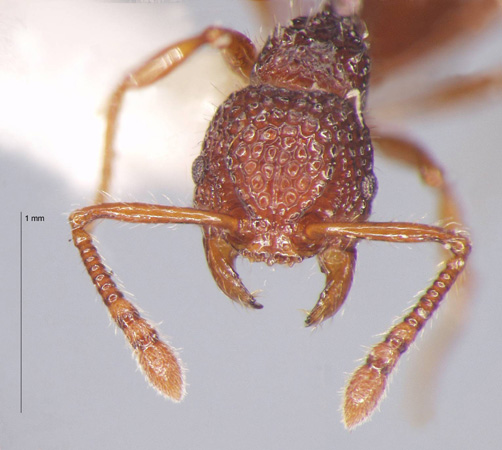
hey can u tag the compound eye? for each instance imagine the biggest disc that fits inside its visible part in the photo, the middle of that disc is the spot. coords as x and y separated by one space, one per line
198 169
368 186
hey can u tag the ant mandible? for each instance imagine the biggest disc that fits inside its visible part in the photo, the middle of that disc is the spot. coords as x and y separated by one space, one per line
285 173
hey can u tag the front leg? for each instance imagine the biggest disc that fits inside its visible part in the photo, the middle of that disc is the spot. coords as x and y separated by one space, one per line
237 50
413 155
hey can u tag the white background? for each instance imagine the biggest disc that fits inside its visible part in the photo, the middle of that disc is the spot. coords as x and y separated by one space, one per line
257 379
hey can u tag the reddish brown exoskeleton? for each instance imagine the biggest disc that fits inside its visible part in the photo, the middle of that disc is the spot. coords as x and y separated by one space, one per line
285 173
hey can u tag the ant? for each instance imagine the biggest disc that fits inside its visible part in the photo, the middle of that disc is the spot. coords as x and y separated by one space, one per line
285 174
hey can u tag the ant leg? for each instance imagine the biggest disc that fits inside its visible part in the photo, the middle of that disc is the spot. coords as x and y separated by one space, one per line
238 51
157 360
220 257
464 89
410 153
338 266
368 382
469 88
403 32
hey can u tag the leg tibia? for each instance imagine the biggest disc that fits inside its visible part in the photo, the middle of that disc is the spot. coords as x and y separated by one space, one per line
411 154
